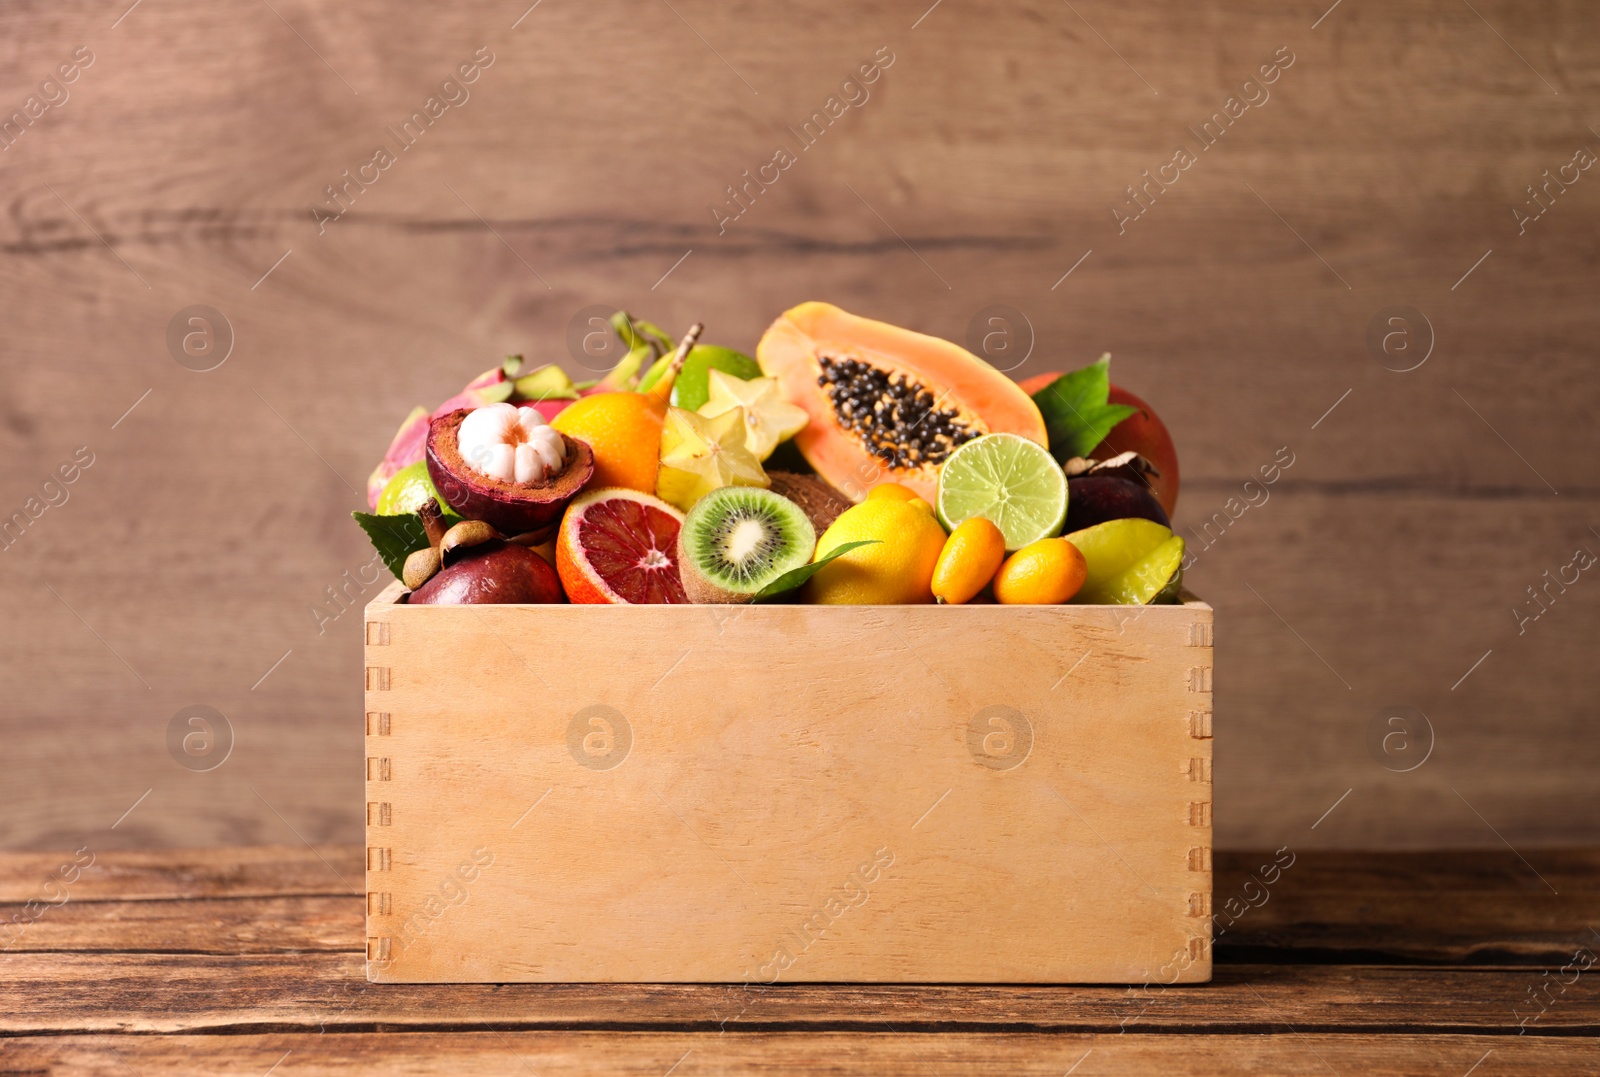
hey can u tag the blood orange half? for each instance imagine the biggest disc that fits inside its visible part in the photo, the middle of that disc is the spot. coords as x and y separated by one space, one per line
620 546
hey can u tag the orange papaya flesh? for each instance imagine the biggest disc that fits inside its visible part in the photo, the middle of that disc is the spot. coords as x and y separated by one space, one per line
886 404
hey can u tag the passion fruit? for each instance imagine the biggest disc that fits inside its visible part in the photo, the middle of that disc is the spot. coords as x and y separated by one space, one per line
493 571
511 507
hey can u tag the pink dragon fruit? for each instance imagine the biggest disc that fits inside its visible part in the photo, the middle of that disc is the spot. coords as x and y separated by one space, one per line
547 389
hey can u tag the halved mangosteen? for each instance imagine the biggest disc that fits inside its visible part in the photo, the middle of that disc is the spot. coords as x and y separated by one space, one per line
478 490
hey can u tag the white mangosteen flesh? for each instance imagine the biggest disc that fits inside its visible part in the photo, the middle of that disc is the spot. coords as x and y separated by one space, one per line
512 444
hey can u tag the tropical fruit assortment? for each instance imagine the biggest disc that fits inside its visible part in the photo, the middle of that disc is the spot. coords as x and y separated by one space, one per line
850 462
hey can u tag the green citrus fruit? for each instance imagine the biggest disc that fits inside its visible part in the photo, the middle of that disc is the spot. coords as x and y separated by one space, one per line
407 490
1010 481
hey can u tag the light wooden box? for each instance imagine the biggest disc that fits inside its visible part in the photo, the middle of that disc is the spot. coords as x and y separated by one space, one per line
770 794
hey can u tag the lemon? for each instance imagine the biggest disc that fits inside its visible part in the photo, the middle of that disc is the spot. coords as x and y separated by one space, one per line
405 492
895 570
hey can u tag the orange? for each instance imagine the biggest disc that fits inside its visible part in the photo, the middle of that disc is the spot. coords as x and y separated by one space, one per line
619 546
1042 573
624 429
971 556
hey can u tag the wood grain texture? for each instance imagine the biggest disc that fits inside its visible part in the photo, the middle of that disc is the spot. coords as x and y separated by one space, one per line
97 988
651 1054
1410 908
178 993
1389 156
1037 812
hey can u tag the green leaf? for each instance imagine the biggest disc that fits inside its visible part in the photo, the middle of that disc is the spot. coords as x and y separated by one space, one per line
792 579
1075 410
397 537
394 537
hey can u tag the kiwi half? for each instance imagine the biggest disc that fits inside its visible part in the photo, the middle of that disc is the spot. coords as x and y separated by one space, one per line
738 539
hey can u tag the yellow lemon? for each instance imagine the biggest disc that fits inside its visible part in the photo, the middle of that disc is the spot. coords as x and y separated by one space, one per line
895 570
891 490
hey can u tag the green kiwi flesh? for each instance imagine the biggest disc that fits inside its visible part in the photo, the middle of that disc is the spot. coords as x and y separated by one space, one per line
738 539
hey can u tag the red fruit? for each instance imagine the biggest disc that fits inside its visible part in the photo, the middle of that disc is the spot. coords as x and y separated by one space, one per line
494 572
620 546
1143 432
1038 381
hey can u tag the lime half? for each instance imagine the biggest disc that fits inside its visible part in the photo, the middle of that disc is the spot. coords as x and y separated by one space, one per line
1010 481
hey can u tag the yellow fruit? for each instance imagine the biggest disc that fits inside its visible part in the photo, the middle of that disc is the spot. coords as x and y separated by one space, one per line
624 429
972 555
896 570
892 490
1042 573
768 416
699 455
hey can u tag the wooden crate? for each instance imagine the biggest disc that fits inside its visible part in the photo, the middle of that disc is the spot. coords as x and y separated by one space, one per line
788 793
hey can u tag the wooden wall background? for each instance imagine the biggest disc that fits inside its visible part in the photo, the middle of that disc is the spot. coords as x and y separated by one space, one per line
1384 166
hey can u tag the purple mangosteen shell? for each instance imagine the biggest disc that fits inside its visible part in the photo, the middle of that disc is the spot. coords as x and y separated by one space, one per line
511 508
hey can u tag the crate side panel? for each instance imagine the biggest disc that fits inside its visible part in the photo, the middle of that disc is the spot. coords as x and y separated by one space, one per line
794 793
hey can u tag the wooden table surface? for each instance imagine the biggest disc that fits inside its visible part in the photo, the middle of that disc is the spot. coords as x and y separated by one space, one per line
249 961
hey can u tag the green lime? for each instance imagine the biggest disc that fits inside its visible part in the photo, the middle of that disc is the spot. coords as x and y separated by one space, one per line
1130 562
1010 481
407 490
693 387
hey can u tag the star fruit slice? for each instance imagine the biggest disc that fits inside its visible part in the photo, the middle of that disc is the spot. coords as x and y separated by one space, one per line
700 454
769 417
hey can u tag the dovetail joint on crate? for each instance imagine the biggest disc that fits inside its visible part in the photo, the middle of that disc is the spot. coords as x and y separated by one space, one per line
1200 858
1199 904
377 678
1199 679
379 902
1200 813
377 633
378 858
1200 634
377 723
377 947
379 813
378 768
1197 947
1200 725
1198 768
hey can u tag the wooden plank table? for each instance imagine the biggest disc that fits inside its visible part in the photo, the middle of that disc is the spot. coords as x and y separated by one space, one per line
249 961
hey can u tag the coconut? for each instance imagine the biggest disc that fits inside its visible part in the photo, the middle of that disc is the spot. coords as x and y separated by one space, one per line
821 503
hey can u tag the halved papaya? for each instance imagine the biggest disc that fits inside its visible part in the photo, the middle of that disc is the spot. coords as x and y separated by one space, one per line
886 404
